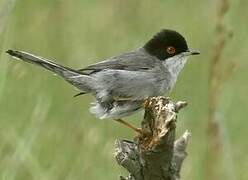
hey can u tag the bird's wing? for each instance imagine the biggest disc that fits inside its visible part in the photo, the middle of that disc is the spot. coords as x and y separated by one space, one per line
132 61
131 75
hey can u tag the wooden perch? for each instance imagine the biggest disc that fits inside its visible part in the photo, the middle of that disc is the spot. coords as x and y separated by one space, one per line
155 155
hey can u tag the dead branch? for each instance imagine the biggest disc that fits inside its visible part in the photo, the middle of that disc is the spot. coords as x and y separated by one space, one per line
155 155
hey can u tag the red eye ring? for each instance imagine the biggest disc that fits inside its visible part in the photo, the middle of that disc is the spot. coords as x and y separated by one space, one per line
171 50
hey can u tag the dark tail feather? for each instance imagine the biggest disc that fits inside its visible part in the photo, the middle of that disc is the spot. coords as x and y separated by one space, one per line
45 63
78 79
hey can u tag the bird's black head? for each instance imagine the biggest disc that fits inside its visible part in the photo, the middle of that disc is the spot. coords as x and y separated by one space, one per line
165 44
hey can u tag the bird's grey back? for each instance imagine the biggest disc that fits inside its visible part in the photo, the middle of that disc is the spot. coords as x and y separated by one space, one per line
136 60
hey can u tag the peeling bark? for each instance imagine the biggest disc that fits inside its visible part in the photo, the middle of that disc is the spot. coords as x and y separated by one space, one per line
155 154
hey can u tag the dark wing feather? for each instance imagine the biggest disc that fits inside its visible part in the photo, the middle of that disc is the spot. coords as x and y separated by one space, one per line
79 94
132 61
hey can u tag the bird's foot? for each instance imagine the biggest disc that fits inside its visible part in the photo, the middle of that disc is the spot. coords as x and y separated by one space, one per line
146 102
137 130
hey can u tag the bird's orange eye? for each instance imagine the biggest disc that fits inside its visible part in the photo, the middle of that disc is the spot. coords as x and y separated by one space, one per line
171 50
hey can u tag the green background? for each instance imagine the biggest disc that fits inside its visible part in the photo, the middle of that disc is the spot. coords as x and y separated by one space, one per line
46 134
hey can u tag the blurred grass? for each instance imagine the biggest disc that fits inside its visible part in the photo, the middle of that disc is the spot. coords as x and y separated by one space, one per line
46 134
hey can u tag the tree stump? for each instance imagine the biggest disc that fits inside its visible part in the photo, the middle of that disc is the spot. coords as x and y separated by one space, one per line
154 154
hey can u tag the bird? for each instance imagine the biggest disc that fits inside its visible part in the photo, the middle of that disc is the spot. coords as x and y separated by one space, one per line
121 84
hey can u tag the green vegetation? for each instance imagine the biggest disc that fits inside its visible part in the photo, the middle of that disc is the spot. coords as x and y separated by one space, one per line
46 134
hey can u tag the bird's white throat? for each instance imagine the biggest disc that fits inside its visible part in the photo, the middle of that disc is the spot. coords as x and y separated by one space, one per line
175 64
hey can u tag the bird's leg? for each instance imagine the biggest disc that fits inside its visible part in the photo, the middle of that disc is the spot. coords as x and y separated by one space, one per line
122 98
139 131
146 102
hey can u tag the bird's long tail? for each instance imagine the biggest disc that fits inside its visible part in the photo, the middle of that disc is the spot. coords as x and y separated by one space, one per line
82 81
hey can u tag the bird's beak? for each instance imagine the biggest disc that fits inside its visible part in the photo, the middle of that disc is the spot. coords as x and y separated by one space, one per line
192 52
